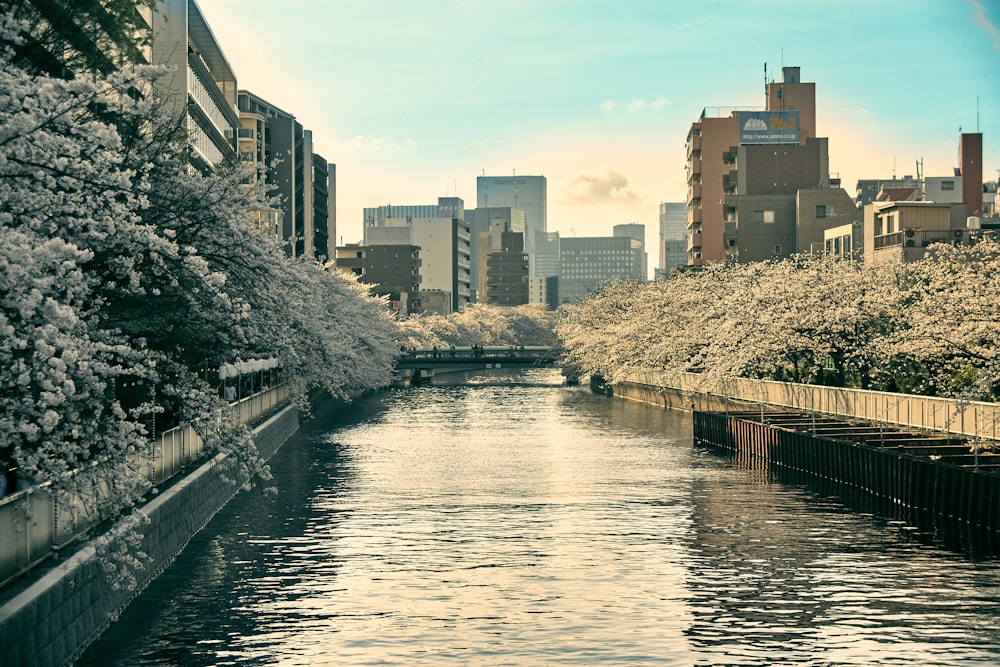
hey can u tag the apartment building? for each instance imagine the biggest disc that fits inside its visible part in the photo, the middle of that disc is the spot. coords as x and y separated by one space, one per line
445 254
200 84
303 180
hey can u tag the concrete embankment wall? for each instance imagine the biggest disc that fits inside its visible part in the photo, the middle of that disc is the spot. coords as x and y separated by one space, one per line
52 620
959 493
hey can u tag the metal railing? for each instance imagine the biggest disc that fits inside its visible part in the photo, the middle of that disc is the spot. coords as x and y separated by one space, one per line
34 526
975 419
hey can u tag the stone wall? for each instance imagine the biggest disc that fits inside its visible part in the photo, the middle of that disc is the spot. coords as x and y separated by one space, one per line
55 617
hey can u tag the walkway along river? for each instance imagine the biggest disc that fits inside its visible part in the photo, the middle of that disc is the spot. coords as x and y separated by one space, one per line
514 521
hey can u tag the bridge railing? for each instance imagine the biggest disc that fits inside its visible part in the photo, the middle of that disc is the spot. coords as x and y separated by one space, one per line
974 419
520 352
34 525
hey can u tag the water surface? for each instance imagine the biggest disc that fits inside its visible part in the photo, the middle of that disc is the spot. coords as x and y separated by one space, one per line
514 521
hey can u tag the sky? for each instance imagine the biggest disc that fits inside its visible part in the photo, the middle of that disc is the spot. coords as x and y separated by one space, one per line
413 99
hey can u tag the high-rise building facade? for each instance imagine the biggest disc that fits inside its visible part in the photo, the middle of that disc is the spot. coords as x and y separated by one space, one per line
199 84
547 261
483 224
589 262
637 231
297 175
507 272
673 238
708 139
445 247
527 193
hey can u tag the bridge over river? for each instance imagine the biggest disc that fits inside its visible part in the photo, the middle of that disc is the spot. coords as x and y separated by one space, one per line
420 365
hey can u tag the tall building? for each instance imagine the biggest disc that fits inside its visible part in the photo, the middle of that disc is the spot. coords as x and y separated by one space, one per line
748 200
507 272
394 272
298 176
482 223
200 84
445 248
546 254
636 231
589 262
970 158
708 139
527 193
673 238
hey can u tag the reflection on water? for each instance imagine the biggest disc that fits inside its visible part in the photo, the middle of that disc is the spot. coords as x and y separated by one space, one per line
513 521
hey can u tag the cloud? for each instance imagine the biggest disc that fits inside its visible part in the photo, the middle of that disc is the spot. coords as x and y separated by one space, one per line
609 187
979 16
635 105
380 145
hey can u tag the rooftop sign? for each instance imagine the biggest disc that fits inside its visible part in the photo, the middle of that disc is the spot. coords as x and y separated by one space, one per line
769 127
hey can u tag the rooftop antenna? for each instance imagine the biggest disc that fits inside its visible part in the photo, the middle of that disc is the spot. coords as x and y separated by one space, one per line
977 114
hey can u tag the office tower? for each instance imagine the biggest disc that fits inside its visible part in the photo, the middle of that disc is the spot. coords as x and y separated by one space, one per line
673 238
589 262
527 193
635 231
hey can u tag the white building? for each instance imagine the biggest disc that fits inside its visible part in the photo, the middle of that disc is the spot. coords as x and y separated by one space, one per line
445 252
201 84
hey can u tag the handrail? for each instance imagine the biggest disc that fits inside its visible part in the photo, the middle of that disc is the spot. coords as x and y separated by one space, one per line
34 525
975 419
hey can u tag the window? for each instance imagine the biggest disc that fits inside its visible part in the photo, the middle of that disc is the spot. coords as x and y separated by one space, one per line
777 248
947 185
758 217
820 211
768 217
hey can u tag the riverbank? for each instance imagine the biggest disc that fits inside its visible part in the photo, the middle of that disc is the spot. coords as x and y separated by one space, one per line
943 473
51 616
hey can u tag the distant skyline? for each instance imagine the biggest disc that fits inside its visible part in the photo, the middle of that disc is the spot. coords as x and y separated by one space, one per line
413 99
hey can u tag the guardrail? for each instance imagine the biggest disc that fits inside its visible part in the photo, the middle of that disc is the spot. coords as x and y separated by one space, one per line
975 419
34 525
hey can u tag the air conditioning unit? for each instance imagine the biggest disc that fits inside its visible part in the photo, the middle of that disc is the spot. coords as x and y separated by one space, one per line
909 233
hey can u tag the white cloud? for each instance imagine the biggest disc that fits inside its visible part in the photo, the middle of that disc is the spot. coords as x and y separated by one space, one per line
380 145
636 105
980 17
609 187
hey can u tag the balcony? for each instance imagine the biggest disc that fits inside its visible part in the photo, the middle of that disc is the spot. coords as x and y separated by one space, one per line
694 216
921 238
694 194
693 169
694 241
694 147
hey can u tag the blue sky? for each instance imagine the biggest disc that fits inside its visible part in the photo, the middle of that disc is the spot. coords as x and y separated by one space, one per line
412 99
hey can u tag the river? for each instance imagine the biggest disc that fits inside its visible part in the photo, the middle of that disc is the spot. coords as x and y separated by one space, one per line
514 521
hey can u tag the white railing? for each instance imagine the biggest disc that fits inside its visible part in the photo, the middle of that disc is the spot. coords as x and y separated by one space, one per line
974 419
33 526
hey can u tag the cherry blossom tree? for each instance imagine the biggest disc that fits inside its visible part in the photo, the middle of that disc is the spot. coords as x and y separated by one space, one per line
482 324
928 327
126 278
